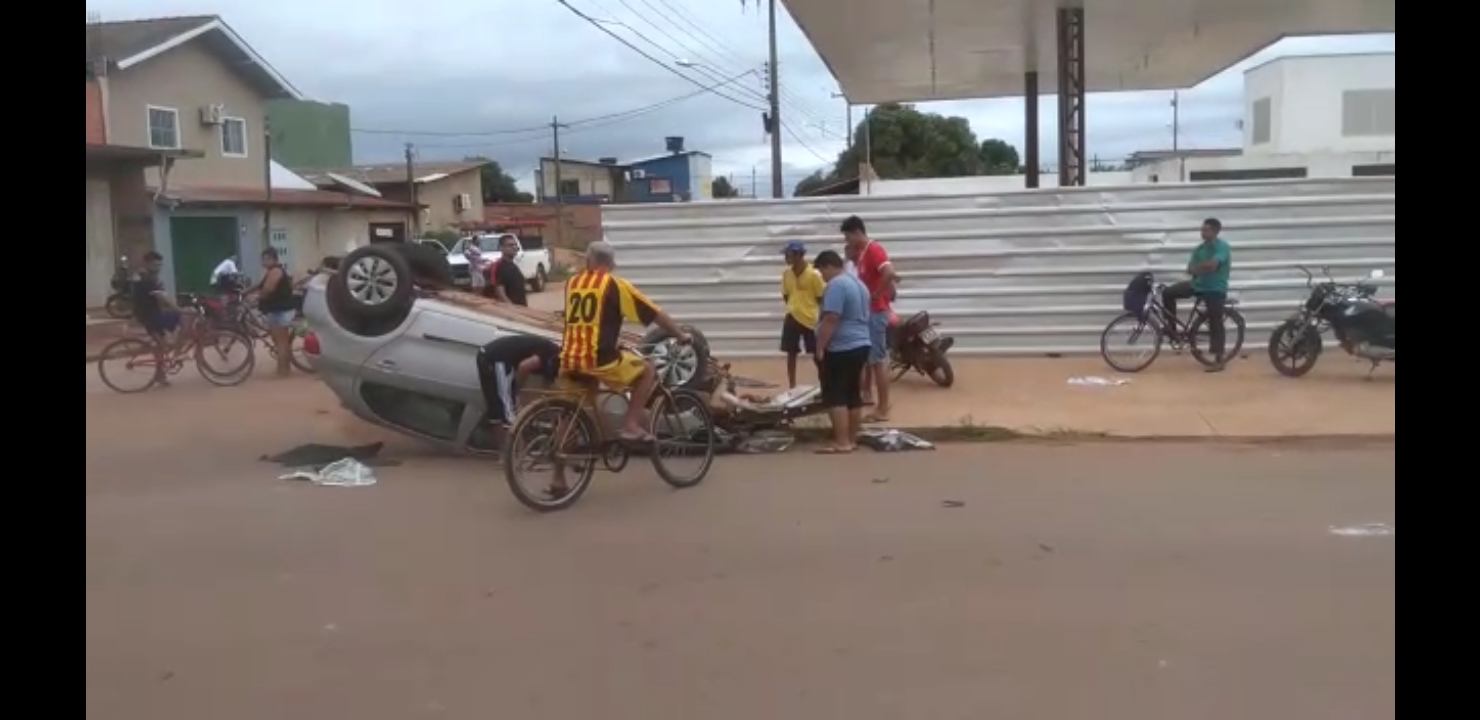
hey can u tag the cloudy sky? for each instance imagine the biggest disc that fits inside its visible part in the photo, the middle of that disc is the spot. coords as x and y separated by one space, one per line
483 77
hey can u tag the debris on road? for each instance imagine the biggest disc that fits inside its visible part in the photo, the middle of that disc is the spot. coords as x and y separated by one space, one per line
316 456
893 441
347 472
952 504
1095 381
1368 530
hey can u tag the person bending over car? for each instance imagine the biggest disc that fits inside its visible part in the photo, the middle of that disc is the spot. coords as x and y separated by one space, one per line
504 365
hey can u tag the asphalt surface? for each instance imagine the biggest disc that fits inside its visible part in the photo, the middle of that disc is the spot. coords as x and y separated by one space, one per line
1006 581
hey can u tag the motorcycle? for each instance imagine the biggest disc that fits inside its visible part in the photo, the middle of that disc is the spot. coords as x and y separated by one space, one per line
916 344
120 303
1366 328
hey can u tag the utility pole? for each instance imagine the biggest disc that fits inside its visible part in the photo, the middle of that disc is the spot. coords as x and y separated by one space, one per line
267 180
1176 137
774 96
559 195
753 187
849 118
411 190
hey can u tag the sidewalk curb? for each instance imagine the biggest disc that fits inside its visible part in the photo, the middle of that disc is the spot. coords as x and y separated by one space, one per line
957 434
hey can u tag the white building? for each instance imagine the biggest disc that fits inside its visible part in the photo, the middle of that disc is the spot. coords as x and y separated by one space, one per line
1304 116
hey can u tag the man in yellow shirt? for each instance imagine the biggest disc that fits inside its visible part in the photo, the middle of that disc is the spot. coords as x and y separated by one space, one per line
801 290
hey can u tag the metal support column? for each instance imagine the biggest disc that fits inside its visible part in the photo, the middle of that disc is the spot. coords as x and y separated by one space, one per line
1030 128
1070 22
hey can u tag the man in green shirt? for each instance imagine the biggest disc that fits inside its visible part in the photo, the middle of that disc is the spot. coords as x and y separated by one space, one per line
1209 267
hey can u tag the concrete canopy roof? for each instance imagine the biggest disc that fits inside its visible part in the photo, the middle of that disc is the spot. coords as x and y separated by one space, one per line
920 50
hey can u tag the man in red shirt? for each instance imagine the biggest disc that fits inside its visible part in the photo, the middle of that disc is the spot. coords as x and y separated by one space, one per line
878 276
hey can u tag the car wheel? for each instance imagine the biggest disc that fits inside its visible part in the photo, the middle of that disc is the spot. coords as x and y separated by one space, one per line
540 277
679 366
373 286
429 267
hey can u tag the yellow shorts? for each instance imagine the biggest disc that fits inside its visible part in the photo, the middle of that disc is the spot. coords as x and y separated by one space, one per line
618 374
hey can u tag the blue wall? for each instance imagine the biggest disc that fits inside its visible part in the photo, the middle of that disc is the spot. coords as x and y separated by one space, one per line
674 169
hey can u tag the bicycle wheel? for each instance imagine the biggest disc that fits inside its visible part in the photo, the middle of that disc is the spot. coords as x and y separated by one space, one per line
1130 331
224 357
1200 339
684 429
124 361
531 447
254 325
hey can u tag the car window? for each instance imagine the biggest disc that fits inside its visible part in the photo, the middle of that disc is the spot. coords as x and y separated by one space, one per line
488 244
426 415
533 243
457 247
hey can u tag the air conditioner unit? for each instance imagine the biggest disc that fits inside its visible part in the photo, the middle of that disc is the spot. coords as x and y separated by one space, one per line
462 202
639 174
212 114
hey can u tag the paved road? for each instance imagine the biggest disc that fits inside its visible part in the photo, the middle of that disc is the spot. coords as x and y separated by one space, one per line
1099 581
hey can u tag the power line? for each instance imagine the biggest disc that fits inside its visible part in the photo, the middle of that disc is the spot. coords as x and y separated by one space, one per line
621 115
803 143
666 66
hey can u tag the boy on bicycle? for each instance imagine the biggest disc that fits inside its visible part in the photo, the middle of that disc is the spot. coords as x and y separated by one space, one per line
156 310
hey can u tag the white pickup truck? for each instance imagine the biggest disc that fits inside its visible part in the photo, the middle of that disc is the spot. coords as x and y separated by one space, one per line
533 258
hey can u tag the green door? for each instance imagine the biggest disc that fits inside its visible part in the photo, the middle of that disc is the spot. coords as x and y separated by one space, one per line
198 245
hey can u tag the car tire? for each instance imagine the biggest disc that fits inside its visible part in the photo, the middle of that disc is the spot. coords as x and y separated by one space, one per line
429 268
373 287
538 283
695 357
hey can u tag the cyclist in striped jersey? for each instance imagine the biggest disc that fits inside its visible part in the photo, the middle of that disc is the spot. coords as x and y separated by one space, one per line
596 304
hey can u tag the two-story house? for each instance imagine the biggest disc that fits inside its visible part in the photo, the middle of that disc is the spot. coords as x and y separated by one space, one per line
194 94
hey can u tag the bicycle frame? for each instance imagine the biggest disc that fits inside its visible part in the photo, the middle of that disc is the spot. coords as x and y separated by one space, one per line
588 397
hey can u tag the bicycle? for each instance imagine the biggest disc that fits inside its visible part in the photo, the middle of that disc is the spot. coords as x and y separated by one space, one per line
200 341
1163 326
299 330
566 428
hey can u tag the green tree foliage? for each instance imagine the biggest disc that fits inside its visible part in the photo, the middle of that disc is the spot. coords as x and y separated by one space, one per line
908 143
498 186
721 188
999 158
812 182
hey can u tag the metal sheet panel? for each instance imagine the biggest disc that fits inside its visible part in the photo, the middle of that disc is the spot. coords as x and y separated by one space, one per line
1010 273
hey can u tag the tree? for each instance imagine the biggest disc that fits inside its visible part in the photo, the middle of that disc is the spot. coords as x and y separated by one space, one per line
999 158
721 189
910 144
498 186
807 184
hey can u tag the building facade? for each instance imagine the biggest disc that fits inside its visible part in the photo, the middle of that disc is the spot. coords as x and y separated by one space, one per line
683 176
186 99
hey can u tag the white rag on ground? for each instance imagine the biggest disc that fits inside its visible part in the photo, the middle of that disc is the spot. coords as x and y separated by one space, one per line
348 472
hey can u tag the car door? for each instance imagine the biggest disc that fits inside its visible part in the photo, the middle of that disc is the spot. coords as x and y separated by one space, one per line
425 381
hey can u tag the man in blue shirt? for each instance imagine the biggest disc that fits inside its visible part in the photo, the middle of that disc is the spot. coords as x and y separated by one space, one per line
1209 268
842 350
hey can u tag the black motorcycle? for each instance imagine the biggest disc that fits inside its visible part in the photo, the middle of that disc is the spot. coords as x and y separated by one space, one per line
1365 327
120 302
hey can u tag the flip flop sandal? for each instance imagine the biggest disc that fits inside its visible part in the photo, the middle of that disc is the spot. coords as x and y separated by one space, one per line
873 419
833 450
643 439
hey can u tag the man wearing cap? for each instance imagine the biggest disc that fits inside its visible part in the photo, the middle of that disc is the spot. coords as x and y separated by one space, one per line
801 289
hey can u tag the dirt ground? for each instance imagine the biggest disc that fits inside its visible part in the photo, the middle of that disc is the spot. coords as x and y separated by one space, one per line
1019 581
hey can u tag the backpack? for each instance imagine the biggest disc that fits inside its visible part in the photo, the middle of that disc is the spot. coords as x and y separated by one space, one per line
1136 294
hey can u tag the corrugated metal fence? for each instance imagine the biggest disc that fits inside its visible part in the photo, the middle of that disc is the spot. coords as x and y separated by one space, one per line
1013 273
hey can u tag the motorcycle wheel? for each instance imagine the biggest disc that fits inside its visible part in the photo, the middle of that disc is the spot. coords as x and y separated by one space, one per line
941 372
1294 356
118 307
